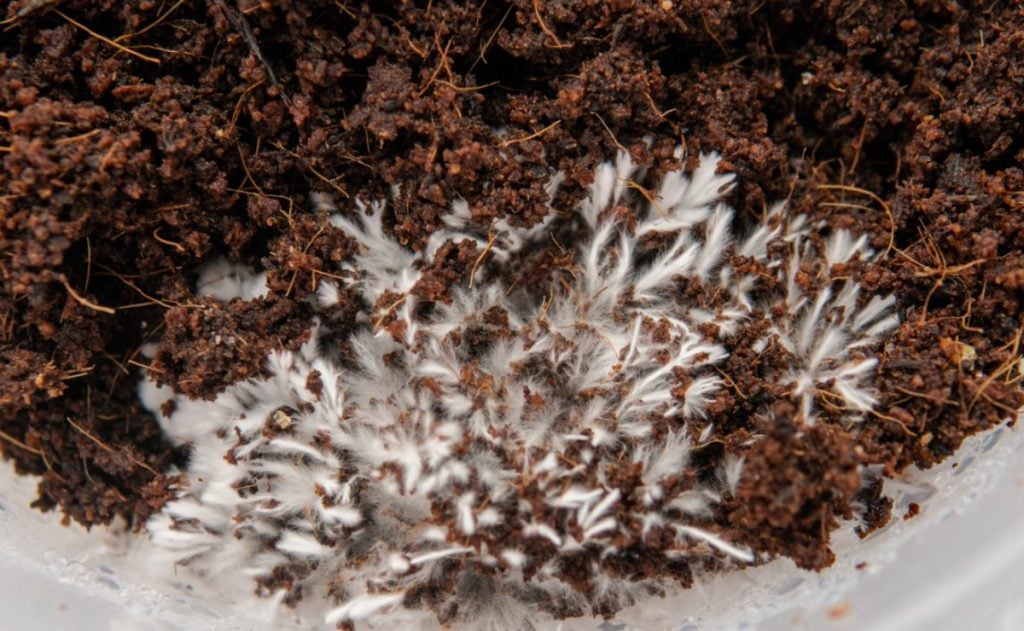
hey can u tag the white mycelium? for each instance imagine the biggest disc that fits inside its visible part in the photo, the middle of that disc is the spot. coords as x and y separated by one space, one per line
406 466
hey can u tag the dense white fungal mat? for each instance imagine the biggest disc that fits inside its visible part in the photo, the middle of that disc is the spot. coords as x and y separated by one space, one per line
363 470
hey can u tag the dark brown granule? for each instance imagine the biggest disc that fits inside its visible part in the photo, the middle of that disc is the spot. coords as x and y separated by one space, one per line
913 510
875 509
315 384
450 265
121 175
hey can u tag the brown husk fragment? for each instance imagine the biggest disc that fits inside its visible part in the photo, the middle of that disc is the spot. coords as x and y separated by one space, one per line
181 136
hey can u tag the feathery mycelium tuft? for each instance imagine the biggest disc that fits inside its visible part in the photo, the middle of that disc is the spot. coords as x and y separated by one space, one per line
521 447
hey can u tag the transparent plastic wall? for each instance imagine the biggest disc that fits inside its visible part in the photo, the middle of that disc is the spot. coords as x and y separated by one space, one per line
958 565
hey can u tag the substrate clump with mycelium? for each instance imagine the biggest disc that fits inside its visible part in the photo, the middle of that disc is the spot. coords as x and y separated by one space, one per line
399 459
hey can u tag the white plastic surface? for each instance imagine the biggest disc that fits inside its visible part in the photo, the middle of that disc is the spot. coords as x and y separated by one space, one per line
957 565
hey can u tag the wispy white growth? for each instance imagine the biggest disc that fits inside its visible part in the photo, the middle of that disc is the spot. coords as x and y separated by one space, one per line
729 472
490 442
717 542
224 281
362 607
826 336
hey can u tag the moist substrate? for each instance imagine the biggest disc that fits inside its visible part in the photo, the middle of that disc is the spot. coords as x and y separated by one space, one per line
139 140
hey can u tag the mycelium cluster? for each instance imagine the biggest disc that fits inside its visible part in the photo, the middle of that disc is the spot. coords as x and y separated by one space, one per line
523 447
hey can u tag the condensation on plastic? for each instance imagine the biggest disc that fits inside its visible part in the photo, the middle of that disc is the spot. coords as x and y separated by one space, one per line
956 565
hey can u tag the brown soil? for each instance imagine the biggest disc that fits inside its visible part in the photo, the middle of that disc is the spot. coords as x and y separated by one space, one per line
141 139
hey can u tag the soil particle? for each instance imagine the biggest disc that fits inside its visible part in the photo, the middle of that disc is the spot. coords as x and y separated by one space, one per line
913 510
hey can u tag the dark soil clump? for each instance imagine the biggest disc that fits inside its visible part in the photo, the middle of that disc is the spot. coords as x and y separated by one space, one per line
140 140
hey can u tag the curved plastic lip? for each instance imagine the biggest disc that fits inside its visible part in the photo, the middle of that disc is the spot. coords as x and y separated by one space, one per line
962 568
956 565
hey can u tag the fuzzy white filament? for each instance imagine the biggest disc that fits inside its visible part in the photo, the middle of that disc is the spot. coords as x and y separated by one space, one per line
407 462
